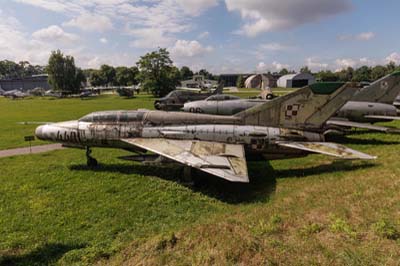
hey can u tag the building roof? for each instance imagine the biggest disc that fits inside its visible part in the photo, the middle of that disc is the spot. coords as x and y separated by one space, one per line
297 76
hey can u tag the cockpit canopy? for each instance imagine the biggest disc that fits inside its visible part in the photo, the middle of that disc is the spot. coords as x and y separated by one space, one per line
113 117
222 97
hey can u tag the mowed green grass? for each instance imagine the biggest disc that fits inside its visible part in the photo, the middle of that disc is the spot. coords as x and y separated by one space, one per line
12 112
310 211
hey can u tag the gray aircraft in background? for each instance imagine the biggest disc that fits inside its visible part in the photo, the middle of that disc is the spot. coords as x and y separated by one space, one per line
373 104
397 102
15 94
175 100
288 127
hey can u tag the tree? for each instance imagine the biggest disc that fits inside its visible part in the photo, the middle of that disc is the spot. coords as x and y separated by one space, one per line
108 74
345 75
80 78
97 79
240 82
283 72
305 69
63 74
327 76
391 67
362 74
126 76
205 73
156 72
378 72
186 73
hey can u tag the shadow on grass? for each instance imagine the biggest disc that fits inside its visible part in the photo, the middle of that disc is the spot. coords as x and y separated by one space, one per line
262 176
47 254
347 140
260 188
336 166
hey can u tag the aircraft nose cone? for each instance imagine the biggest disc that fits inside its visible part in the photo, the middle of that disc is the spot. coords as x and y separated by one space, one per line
39 132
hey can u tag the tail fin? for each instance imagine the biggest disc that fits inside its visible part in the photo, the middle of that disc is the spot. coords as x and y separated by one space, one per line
384 90
307 108
220 88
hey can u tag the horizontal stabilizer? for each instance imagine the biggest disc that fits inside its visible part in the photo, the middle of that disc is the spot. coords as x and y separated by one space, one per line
328 148
346 123
223 160
383 117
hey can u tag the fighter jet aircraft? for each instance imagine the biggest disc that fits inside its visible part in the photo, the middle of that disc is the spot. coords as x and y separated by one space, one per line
397 102
15 94
226 104
2 91
176 99
373 104
289 126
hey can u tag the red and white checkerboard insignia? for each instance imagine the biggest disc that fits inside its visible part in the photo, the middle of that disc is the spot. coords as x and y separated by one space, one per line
292 110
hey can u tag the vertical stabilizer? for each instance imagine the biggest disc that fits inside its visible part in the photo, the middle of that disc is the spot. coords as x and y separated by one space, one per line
384 90
306 108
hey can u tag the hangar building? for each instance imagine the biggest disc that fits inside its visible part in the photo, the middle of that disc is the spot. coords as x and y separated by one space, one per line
256 81
296 80
27 83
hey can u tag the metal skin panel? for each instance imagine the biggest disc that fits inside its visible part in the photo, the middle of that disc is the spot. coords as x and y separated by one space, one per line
206 156
213 144
350 124
384 90
301 109
229 107
364 111
327 148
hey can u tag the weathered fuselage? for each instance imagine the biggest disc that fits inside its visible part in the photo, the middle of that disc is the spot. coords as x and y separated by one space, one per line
358 111
106 129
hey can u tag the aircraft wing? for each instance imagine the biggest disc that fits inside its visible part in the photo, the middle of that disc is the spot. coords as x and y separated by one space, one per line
223 160
327 148
346 123
384 117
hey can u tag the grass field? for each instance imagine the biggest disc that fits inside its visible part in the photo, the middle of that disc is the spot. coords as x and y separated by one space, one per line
309 211
54 110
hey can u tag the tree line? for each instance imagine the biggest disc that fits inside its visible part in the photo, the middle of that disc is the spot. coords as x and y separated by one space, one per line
156 73
12 70
363 73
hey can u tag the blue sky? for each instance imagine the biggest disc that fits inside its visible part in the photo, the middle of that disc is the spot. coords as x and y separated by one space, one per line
223 36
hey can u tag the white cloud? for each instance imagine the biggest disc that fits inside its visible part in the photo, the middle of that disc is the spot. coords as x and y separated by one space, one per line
54 34
150 23
278 66
354 63
266 15
17 45
150 38
183 48
91 22
275 66
314 65
196 7
274 47
203 35
103 40
364 36
393 57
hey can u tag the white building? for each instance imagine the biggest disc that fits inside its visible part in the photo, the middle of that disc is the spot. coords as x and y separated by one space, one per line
296 80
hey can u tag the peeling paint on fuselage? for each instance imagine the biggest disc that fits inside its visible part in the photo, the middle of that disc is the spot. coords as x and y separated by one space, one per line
91 131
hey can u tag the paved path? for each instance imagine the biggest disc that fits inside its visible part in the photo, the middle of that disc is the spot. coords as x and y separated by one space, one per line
26 150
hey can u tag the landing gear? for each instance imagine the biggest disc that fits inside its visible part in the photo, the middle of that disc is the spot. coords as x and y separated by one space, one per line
91 162
187 177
